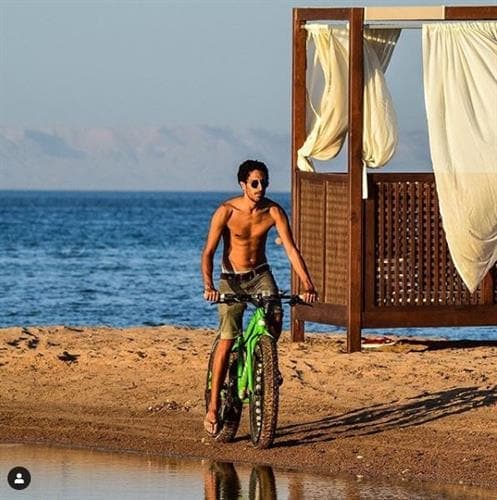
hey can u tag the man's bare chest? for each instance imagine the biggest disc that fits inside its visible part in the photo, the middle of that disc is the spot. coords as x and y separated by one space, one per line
245 226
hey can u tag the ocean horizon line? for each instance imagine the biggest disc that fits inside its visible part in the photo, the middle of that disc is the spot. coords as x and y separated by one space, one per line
133 191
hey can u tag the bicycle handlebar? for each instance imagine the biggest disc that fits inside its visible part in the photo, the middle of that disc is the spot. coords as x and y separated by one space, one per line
259 298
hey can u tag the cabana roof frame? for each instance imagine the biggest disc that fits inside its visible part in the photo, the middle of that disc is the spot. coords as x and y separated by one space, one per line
316 197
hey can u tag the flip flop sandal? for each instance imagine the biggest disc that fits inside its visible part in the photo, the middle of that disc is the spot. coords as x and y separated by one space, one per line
212 428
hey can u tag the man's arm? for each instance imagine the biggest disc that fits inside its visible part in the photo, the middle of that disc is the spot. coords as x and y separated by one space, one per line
285 233
218 223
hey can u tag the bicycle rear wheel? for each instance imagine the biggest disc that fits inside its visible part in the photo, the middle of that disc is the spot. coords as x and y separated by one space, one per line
265 398
230 410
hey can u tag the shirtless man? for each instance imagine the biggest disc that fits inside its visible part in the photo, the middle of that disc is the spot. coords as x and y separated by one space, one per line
243 223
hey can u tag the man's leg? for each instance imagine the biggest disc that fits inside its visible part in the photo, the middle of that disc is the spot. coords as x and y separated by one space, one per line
275 324
230 325
219 368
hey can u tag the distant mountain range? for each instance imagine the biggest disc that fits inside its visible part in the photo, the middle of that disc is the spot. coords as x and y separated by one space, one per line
165 158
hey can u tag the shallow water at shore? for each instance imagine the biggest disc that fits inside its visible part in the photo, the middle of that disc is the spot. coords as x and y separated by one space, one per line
85 474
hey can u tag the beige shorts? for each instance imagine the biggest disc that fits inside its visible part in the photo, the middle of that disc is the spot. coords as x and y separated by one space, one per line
231 315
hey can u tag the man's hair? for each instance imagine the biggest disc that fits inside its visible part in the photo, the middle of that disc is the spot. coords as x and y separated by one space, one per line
250 165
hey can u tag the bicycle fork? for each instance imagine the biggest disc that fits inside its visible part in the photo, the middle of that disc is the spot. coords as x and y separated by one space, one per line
245 347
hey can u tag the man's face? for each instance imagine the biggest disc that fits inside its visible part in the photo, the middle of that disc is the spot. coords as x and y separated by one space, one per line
255 187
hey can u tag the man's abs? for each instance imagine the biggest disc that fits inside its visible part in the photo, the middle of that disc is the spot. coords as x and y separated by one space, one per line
240 256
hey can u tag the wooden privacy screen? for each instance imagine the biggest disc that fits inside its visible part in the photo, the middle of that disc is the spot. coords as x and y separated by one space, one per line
324 234
411 264
384 261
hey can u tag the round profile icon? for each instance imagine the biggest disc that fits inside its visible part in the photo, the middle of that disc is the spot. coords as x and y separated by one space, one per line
19 478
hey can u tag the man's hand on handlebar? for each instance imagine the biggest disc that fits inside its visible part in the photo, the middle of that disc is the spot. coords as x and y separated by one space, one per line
211 294
309 296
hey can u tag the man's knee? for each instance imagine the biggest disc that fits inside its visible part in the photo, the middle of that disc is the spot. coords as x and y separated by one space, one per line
224 346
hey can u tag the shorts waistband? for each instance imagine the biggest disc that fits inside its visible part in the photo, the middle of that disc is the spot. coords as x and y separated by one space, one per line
246 276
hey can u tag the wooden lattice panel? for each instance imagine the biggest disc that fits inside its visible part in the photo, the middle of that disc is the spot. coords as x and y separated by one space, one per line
312 218
413 264
336 259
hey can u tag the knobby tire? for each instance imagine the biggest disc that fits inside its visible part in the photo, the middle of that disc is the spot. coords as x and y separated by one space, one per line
266 393
230 411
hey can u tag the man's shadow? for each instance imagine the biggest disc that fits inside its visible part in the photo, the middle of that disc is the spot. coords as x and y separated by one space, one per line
418 410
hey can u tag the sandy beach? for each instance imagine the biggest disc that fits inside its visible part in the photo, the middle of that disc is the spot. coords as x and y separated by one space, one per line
414 410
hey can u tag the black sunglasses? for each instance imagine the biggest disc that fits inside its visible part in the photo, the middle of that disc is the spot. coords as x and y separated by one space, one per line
255 183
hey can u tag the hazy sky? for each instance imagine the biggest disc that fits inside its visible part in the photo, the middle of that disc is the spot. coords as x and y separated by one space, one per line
147 63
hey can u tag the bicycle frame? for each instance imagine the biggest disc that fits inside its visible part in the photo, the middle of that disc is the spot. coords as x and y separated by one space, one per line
245 345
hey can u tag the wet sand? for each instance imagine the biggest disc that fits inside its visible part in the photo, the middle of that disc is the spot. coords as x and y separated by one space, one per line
413 411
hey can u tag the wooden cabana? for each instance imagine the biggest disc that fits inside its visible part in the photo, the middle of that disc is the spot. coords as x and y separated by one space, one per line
383 261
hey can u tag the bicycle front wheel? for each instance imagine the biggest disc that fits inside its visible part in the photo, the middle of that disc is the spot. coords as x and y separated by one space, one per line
265 398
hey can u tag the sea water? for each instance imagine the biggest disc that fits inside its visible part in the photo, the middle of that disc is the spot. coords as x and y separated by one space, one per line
62 473
122 259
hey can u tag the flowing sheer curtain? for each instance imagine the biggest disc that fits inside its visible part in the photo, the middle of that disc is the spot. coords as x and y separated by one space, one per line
380 130
328 105
328 116
460 82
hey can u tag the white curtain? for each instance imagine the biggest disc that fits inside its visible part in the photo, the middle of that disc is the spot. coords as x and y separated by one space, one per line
380 131
329 116
329 108
460 82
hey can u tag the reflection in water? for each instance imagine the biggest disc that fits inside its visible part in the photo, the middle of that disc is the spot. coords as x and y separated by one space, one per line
262 483
86 475
222 482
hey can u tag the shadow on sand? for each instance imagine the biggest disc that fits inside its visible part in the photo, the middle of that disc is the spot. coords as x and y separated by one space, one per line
418 410
438 344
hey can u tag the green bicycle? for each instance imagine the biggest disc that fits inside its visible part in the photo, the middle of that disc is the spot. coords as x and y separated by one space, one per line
252 376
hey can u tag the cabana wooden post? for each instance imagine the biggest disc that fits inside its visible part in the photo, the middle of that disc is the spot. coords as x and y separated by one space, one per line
381 262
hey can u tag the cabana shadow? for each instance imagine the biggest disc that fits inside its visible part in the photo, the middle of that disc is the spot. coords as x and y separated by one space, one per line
374 419
435 345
